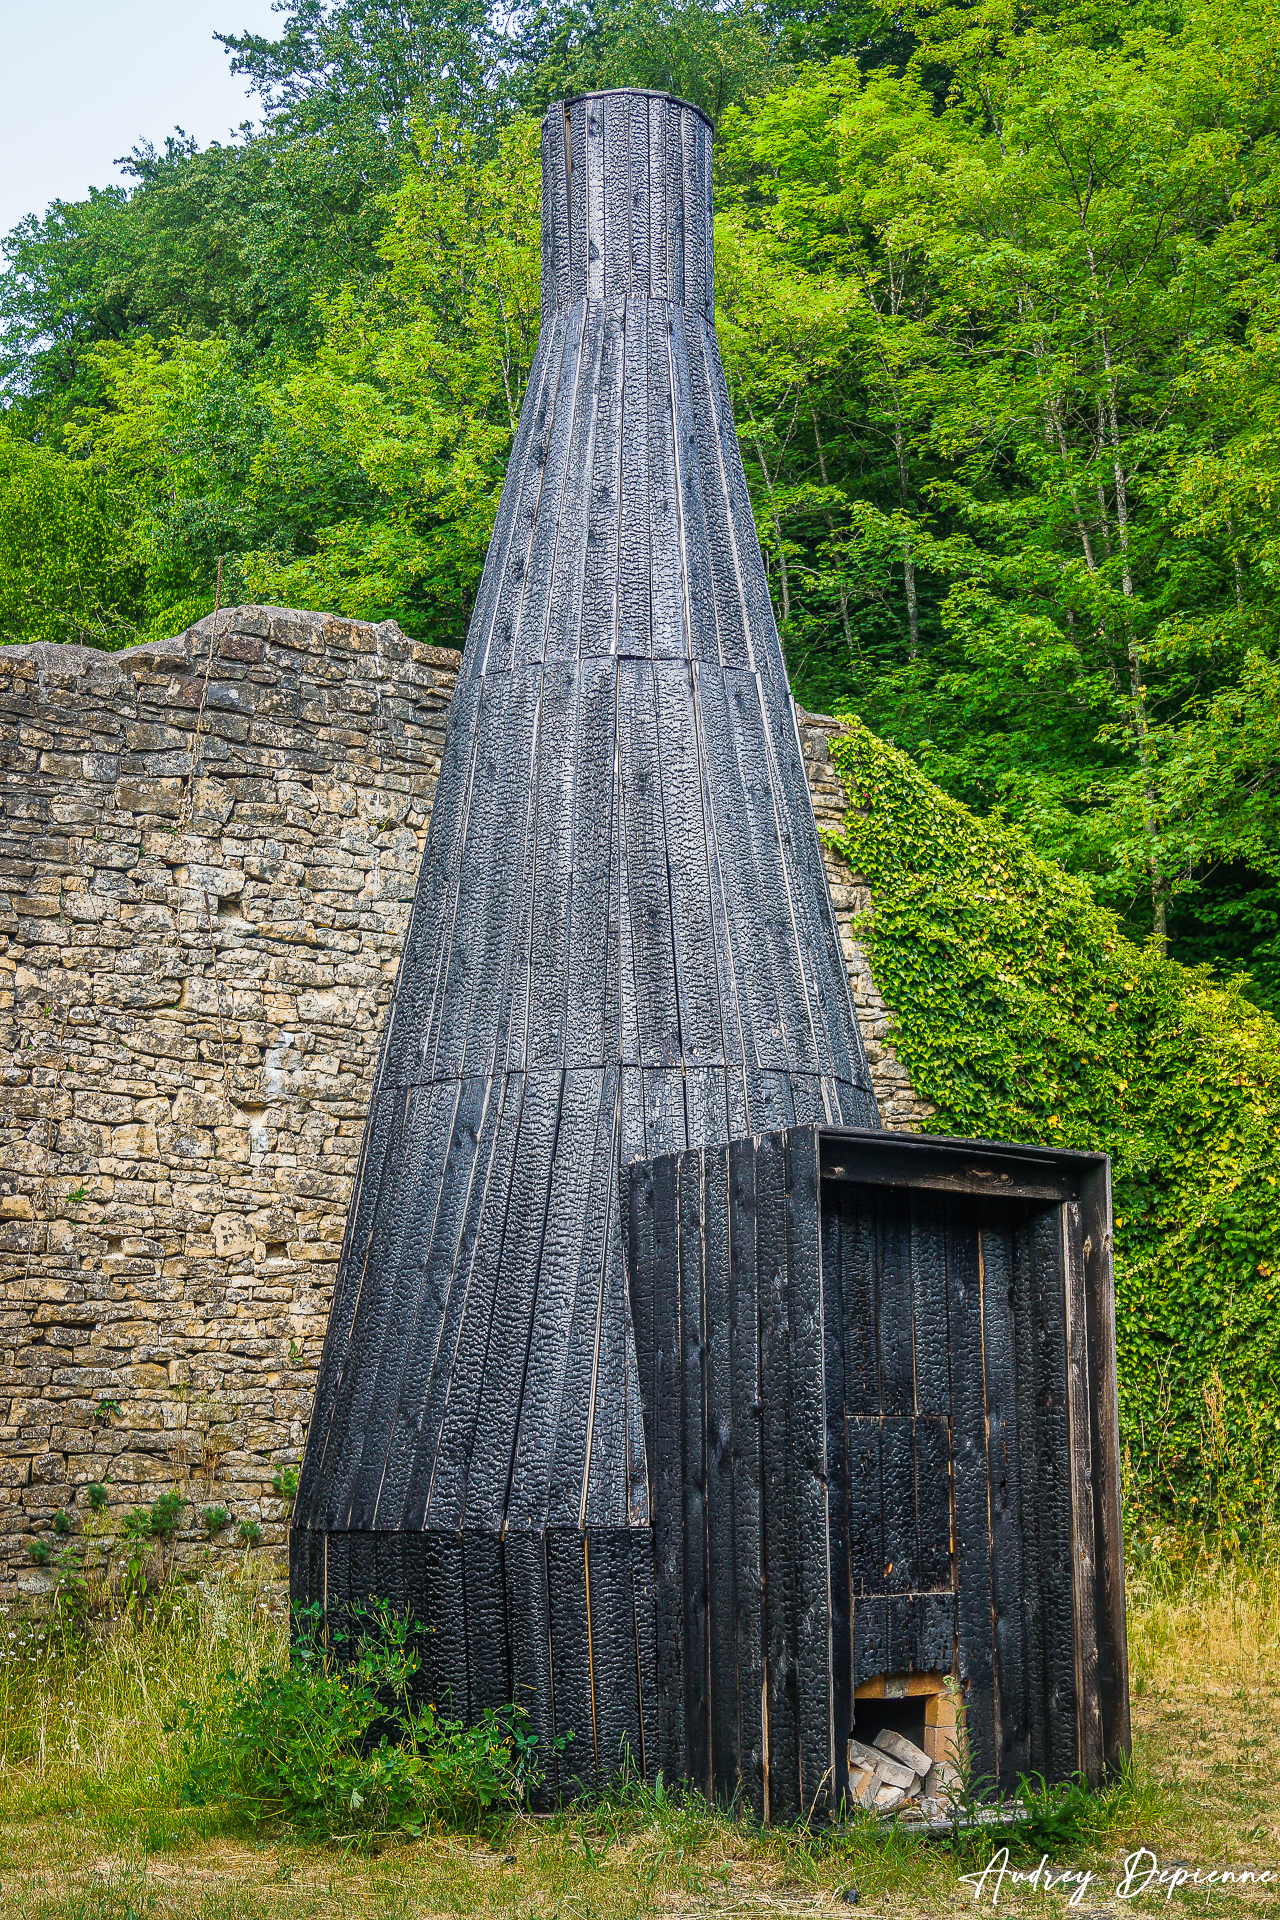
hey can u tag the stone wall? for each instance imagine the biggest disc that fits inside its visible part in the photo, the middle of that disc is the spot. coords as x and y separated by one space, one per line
207 853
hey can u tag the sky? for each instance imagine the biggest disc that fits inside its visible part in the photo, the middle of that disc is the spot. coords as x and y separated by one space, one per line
82 81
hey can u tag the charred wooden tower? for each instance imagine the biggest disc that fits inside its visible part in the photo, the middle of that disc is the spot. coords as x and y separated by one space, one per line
621 945
621 950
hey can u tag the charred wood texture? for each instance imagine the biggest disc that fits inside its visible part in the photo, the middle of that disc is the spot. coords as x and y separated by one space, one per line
621 946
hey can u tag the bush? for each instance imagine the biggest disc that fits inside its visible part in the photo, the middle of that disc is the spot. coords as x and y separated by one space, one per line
334 1747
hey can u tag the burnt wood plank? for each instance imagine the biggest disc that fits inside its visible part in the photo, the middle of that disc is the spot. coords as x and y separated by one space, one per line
549 1463
720 557
608 1497
898 1491
700 609
837 1466
693 1415
973 1544
576 114
932 1447
746 1460
696 234
666 1468
485 1615
1024 1389
337 1592
642 1597
807 1394
556 496
649 899
639 146
529 1612
937 1618
893 1303
549 946
613 1651
726 1764
495 643
1010 1625
666 596
571 1658
1100 1311
688 876
929 1306
441 1613
520 1233
633 498
617 193
588 944
870 1639
664 1123
598 626
657 179
559 130
706 1108
1053 1493
595 198
490 968
564 603
673 171
902 1641
438 1483
1083 1525
780 1542
858 1276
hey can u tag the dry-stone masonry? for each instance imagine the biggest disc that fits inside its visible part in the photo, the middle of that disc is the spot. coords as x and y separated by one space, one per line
207 855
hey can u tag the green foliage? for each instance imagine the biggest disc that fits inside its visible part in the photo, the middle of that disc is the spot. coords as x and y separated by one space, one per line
98 1496
1023 1012
250 1533
41 1552
215 1519
285 1482
166 1512
68 570
62 1521
334 1746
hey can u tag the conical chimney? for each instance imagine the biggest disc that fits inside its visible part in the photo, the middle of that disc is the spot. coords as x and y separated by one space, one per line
621 944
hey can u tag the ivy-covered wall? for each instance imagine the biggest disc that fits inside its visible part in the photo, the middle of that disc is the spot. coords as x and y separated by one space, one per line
1023 1013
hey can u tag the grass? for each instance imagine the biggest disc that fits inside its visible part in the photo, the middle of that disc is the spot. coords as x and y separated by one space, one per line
91 1825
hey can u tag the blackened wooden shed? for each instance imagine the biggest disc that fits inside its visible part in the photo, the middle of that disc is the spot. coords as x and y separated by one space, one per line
878 1375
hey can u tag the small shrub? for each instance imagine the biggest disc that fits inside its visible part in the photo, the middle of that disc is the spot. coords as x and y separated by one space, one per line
250 1532
40 1552
215 1519
97 1496
333 1746
285 1482
165 1514
62 1521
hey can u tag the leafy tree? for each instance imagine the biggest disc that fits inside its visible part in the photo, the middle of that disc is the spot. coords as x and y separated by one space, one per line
68 567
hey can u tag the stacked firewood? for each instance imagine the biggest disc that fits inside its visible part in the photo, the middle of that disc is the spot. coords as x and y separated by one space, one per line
893 1773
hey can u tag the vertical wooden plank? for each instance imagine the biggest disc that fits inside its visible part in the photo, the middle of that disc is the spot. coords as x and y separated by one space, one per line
657 176
937 1613
643 1602
929 1305
973 1546
529 1613
807 1392
577 143
699 601
571 1658
554 520
520 1234
666 596
706 1109
893 1318
870 1639
597 629
568 569
726 587
693 1406
746 1456
495 638
1024 1281
666 1467
898 1490
673 171
490 972
721 1544
587 1015
438 1482
1113 1652
1053 1493
617 193
858 1278
837 1484
688 875
902 1649
553 864
337 1592
548 281
485 1615
634 557
1083 1525
560 1359
1004 1479
595 197
560 144
639 138
613 1651
780 1557
642 1254
362 1579
664 1126
932 1448
443 1618
710 303
696 237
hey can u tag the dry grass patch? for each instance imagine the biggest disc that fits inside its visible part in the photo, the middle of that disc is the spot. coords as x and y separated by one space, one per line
92 1826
